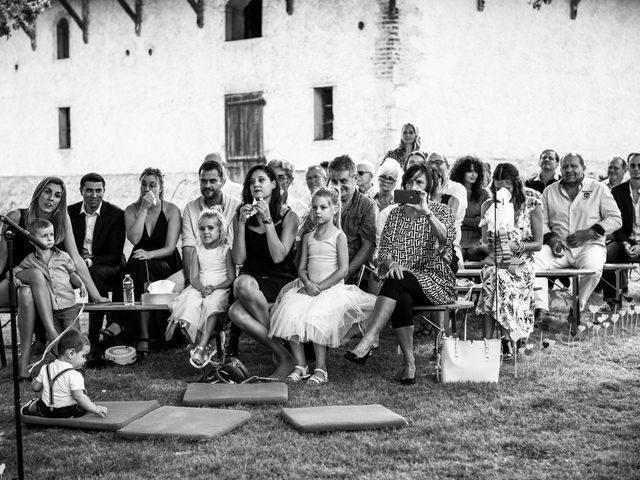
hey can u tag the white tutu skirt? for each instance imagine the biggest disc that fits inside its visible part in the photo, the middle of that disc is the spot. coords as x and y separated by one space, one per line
324 319
191 311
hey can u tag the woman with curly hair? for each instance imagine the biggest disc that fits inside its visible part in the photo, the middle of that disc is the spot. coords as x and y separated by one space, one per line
469 171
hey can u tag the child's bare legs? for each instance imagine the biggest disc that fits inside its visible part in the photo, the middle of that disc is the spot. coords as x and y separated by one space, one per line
321 356
297 349
207 331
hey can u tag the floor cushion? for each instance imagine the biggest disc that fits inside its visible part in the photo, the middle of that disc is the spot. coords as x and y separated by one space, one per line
186 423
198 394
119 414
342 417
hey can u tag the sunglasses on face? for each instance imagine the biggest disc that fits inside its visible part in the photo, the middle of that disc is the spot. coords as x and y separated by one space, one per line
361 173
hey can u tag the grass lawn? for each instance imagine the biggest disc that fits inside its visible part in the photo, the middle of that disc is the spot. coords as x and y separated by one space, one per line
572 412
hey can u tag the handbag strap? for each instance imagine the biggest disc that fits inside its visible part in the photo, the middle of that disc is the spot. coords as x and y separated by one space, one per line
146 267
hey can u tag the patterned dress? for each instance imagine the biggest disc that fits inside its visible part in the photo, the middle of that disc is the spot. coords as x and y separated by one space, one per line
412 243
515 285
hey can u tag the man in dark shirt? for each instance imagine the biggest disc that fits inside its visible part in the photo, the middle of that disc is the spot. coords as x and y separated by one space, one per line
357 215
549 161
98 228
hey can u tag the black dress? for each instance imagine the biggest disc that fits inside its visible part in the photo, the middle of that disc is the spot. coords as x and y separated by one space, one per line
271 276
143 271
21 246
157 268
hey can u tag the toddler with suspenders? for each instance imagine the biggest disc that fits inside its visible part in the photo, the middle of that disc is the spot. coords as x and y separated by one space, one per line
62 385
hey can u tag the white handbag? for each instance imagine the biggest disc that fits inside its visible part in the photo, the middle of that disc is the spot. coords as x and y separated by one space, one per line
469 360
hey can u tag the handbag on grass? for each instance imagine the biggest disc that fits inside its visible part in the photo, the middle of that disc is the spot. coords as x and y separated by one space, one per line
469 360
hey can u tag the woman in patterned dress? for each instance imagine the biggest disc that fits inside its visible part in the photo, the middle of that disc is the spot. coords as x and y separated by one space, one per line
415 253
409 142
515 306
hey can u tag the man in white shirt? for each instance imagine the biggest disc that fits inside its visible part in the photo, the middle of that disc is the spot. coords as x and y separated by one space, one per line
578 213
456 190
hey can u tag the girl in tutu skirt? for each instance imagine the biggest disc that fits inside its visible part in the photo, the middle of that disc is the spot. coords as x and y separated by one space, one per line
318 307
212 273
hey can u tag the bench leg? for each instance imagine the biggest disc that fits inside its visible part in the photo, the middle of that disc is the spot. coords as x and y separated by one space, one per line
576 299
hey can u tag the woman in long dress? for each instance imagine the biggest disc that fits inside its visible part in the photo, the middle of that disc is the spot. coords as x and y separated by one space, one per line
514 308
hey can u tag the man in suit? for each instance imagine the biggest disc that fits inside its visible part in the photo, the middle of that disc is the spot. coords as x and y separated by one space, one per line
98 228
625 246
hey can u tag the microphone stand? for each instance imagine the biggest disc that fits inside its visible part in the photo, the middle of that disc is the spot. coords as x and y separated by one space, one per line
9 235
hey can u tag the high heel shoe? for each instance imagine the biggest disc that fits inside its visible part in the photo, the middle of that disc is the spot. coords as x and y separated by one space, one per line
352 357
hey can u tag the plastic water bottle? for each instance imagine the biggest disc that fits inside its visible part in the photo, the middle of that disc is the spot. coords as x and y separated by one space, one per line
127 290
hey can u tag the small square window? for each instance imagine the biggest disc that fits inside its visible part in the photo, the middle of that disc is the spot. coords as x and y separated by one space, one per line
323 113
64 127
243 19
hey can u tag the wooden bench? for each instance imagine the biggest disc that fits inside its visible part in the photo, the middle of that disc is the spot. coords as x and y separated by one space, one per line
557 273
90 307
618 268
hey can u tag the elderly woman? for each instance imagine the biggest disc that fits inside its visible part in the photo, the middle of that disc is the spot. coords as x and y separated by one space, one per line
49 201
514 309
284 170
469 172
389 175
153 227
264 235
409 142
415 253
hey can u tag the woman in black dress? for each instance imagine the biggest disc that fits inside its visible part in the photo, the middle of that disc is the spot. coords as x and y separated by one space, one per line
264 236
153 226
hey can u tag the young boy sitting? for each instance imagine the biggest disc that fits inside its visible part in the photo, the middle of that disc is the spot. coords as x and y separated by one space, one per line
60 274
62 385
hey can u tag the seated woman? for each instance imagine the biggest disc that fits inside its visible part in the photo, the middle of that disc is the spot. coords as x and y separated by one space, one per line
469 172
415 255
264 235
389 175
515 306
153 227
49 201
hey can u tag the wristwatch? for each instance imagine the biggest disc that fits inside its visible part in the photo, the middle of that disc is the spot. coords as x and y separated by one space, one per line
267 220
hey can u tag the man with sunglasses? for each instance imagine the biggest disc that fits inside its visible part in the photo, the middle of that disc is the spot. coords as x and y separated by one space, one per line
578 213
365 178
625 246
548 163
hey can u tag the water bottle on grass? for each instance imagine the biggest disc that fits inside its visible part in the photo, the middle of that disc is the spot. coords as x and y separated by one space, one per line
127 290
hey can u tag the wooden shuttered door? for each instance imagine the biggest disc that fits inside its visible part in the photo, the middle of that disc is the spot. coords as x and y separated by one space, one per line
243 126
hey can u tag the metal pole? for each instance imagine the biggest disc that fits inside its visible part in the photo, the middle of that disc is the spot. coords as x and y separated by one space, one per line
8 235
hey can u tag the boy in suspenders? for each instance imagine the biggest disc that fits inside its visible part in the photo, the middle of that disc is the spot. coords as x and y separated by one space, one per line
62 385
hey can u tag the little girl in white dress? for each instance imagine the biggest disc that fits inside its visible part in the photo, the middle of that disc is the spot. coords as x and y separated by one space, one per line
212 272
318 307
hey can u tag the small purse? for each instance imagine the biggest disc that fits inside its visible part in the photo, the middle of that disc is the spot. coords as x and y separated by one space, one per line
469 360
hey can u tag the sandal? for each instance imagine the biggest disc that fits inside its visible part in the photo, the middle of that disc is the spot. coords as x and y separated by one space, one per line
319 377
142 348
200 356
300 372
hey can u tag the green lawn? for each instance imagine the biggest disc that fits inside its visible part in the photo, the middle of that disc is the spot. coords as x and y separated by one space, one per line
572 412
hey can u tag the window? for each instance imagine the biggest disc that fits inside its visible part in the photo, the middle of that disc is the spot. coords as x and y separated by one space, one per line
243 19
64 127
243 127
62 39
323 113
